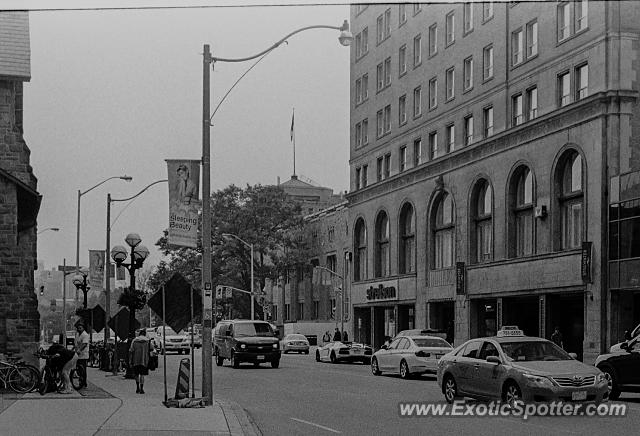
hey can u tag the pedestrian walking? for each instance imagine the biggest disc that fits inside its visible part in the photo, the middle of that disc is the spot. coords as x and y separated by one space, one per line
82 350
345 336
139 359
556 337
336 335
326 337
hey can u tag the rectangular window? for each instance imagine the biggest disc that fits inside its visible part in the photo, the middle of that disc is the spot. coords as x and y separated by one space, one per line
387 23
402 158
571 225
433 39
451 138
450 28
358 44
564 21
532 39
402 60
402 14
365 87
379 124
417 7
468 73
433 145
582 81
380 169
564 89
417 50
300 310
487 11
379 76
358 135
444 249
365 41
387 119
488 121
450 79
387 71
365 180
387 165
402 109
417 152
358 177
380 28
532 103
316 309
487 59
365 131
287 312
359 91
516 47
468 17
417 102
468 130
433 93
516 103
582 12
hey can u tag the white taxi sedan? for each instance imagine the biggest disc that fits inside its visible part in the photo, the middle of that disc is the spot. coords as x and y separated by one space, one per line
409 355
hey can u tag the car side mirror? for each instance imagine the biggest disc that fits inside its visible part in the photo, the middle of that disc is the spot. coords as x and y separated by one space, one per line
227 333
573 356
494 359
384 347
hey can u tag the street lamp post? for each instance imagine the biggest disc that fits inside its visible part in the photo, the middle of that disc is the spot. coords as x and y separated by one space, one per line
80 282
64 300
80 194
340 292
229 235
138 254
208 61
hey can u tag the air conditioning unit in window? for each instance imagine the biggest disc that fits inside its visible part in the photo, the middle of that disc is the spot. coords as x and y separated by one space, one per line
541 211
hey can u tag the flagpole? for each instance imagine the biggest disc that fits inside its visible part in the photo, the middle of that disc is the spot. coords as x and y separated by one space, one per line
293 137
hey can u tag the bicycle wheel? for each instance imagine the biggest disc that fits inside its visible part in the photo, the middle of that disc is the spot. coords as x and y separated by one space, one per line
23 379
75 377
44 382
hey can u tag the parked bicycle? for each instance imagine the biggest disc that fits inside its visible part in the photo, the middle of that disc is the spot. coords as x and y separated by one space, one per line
18 376
51 380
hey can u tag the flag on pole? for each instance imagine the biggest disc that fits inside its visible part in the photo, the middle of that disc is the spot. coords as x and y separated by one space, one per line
292 115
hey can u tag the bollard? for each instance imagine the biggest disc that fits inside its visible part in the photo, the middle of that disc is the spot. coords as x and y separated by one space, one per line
182 386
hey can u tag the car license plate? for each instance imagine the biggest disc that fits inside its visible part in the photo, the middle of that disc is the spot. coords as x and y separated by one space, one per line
262 358
358 351
579 395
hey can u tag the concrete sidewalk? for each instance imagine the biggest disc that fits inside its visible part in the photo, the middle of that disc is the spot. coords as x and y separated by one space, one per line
110 406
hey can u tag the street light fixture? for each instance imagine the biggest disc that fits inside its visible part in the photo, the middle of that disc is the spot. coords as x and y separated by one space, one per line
208 61
80 194
138 255
53 229
80 282
229 235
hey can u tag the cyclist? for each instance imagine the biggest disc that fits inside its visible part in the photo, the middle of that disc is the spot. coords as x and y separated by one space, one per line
63 361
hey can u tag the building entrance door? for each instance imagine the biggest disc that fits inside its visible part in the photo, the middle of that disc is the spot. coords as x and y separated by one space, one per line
523 312
567 312
362 325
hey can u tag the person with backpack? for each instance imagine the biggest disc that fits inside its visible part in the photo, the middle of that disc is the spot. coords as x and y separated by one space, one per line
139 359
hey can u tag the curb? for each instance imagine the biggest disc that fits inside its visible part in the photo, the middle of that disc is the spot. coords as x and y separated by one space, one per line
238 419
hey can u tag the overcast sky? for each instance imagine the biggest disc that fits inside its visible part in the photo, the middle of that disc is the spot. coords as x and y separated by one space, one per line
116 92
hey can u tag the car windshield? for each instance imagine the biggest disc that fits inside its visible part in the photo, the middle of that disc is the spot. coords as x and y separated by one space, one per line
169 331
296 338
431 342
252 329
531 351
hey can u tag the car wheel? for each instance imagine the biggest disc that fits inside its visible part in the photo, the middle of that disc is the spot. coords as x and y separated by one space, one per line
317 356
333 357
275 363
450 389
511 393
234 361
612 382
404 370
219 358
375 370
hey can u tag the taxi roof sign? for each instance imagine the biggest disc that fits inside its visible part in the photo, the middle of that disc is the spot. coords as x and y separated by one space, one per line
510 330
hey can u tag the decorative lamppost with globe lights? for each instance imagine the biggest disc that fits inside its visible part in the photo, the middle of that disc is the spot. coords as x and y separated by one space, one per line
131 298
80 282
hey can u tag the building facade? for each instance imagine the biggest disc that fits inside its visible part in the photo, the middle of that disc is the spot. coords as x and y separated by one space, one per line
493 146
19 200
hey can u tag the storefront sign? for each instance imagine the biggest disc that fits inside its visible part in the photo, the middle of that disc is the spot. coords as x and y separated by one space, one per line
461 282
382 293
586 262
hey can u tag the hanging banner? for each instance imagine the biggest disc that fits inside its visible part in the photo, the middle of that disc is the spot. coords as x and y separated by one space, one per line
184 202
96 269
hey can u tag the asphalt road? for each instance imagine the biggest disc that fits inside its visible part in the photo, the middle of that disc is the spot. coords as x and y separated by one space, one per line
306 397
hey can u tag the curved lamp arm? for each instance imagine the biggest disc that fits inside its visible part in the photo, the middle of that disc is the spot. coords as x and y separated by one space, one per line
143 189
344 28
332 272
125 177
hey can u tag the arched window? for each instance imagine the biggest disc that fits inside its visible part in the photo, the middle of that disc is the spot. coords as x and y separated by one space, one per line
360 251
444 232
382 258
407 253
522 210
482 206
570 199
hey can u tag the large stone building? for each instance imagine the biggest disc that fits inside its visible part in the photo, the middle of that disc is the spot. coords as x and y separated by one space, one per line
19 200
491 146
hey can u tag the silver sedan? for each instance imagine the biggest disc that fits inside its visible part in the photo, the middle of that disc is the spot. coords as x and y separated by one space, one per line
408 355
295 342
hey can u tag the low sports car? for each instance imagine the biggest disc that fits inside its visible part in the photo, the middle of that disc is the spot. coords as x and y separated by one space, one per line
344 352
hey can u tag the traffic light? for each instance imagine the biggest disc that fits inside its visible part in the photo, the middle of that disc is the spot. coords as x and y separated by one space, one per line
42 290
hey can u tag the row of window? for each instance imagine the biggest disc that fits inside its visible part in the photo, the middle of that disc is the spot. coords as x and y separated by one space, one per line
521 201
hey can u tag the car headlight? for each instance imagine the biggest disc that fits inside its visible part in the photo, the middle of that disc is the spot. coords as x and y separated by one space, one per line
538 380
275 346
243 346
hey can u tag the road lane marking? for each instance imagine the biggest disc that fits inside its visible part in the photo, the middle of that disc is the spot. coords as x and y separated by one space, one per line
316 425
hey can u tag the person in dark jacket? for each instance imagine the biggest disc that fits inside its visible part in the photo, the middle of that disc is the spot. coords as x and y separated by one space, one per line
336 335
345 336
139 359
63 361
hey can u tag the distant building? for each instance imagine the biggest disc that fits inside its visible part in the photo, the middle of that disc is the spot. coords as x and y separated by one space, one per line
311 198
20 201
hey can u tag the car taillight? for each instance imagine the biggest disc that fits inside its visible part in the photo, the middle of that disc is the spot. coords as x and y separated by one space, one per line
422 354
